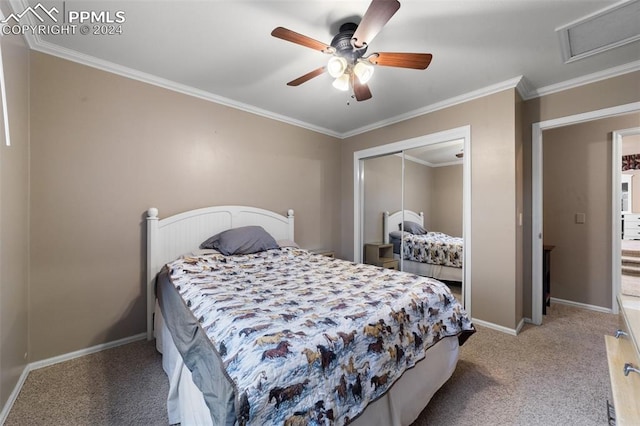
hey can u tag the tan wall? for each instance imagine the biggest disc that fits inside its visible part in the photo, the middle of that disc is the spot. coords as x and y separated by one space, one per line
106 148
519 183
635 189
630 144
608 93
383 191
445 212
14 214
436 191
492 120
577 179
418 189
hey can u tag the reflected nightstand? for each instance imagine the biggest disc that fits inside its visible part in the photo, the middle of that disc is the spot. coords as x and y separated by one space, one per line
380 255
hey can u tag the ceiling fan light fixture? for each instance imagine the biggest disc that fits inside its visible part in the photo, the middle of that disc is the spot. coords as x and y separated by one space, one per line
337 66
363 70
342 82
347 50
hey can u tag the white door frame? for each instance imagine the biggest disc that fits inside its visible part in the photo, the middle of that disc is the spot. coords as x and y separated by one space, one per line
463 132
536 197
616 209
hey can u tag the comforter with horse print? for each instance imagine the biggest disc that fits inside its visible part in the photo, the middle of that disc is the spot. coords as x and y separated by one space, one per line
303 337
435 248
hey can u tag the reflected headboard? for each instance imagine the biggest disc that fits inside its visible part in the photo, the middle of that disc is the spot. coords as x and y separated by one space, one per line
182 233
391 222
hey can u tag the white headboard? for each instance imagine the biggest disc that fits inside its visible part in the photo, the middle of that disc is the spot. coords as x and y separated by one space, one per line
173 236
391 222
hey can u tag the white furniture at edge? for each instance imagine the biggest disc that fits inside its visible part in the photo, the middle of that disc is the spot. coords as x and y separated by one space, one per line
631 226
623 355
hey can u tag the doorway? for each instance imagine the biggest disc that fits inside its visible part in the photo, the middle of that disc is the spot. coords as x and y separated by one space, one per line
537 204
626 181
461 133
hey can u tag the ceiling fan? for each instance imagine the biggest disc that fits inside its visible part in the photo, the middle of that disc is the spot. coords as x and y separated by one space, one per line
348 63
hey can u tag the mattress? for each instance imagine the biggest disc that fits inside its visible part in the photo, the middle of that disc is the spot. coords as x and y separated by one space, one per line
285 335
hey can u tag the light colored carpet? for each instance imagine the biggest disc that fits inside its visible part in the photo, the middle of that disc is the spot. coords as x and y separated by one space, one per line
555 374
120 386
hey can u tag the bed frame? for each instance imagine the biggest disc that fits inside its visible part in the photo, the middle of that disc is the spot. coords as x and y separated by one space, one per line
173 236
182 233
391 222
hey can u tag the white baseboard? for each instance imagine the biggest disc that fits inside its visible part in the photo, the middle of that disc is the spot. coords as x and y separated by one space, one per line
511 331
582 305
82 352
57 359
576 305
14 395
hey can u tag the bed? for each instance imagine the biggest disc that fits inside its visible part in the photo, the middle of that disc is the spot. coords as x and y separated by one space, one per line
433 254
329 339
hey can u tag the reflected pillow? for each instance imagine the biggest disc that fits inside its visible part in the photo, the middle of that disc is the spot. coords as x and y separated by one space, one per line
414 228
243 240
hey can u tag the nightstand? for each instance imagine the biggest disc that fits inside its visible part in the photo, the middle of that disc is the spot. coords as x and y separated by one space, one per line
380 255
323 252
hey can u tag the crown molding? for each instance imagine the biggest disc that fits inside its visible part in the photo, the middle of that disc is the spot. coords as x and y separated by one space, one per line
489 90
584 80
110 67
524 87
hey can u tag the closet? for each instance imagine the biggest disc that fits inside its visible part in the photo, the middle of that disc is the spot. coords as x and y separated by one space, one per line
422 180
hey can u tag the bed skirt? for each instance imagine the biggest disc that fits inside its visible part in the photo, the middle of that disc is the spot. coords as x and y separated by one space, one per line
439 272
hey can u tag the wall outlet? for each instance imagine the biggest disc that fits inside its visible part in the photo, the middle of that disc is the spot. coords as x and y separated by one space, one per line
580 218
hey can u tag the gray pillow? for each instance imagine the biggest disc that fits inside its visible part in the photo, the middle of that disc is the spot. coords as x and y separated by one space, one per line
414 228
243 240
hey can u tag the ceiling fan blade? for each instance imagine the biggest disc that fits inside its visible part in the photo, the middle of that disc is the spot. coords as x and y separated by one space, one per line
418 61
303 40
360 90
376 16
308 76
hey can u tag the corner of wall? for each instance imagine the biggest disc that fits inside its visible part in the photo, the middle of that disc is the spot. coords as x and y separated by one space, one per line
14 223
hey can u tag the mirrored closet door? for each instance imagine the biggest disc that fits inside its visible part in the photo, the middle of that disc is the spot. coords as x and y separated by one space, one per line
382 190
432 243
412 210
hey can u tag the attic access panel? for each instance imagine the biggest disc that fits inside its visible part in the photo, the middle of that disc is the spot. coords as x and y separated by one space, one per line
604 30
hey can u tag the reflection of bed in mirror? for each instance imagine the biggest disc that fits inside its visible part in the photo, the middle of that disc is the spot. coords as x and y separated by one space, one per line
433 254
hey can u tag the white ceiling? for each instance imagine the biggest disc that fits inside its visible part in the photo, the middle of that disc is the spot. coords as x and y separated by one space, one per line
223 51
